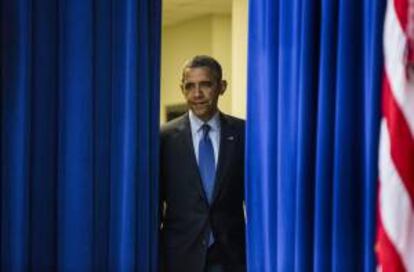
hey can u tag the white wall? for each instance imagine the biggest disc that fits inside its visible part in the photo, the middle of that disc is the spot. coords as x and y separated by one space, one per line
222 36
239 58
180 42
221 50
210 35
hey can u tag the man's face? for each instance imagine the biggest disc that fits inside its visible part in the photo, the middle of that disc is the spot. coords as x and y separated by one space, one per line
202 89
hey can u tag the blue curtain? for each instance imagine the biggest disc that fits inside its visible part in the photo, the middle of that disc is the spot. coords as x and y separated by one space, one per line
312 134
79 134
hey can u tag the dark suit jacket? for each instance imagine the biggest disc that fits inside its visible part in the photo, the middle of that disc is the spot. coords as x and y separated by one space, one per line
188 216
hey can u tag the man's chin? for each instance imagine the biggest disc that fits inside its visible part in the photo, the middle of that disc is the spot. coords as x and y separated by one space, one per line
202 114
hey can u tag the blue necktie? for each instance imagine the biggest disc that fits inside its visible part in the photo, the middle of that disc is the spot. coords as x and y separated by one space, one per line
206 162
207 166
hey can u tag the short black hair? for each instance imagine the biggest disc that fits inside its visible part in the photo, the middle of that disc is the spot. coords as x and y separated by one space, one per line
204 61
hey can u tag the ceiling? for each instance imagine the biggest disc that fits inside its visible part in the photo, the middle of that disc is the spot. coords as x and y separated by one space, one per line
176 11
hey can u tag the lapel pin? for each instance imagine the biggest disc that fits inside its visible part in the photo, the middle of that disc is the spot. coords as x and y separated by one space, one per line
230 138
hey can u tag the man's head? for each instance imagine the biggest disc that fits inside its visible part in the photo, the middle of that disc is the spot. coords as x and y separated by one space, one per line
201 85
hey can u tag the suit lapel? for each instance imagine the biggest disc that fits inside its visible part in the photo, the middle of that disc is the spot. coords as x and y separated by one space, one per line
188 149
227 145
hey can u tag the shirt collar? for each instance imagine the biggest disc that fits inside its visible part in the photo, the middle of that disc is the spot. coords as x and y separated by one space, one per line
196 122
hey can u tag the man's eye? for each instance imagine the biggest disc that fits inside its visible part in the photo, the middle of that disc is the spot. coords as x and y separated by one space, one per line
189 86
206 84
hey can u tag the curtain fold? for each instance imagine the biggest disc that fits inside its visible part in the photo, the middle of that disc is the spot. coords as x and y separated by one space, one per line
79 135
312 134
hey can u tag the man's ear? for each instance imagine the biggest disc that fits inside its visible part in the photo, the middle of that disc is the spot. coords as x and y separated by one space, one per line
182 88
223 87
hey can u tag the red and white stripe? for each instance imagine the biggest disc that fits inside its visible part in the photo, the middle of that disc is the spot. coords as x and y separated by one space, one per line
395 240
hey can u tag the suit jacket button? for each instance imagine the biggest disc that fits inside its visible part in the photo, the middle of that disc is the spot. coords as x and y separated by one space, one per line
204 243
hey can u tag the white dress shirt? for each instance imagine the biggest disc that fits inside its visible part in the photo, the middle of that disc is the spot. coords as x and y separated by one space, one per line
197 133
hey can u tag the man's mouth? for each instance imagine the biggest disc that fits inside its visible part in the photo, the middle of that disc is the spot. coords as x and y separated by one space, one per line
201 104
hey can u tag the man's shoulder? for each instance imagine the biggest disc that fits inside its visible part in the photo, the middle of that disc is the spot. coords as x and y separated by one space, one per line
173 125
234 121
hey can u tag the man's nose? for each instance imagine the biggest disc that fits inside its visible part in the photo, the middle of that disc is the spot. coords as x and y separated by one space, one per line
197 90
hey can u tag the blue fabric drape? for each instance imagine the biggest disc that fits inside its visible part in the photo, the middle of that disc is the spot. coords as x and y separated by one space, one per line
312 134
79 135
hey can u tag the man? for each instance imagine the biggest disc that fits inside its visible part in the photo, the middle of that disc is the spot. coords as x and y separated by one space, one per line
202 189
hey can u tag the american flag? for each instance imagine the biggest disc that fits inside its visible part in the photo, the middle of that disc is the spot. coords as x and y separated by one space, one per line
395 236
